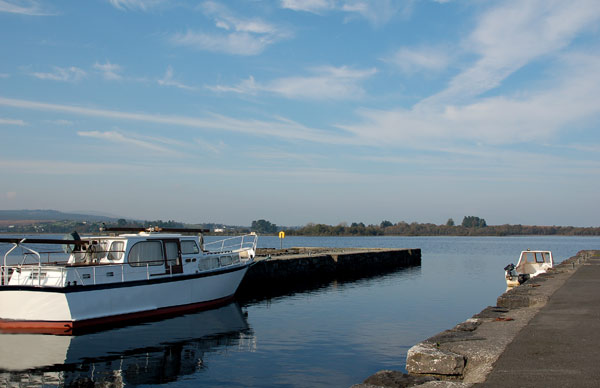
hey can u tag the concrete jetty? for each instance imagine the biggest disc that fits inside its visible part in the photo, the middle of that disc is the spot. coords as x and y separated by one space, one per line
544 333
280 271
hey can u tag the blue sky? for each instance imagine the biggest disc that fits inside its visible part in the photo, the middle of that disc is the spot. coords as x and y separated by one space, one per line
322 111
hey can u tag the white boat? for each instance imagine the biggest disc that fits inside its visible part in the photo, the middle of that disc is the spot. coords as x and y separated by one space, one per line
121 277
530 264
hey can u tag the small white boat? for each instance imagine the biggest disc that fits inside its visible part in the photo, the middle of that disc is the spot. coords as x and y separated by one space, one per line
530 264
121 277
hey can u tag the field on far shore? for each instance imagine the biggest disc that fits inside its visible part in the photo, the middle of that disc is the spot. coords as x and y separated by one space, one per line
21 222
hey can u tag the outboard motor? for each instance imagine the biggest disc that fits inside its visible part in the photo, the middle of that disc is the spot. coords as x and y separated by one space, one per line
510 270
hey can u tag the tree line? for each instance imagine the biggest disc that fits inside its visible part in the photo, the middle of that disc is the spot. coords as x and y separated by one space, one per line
470 226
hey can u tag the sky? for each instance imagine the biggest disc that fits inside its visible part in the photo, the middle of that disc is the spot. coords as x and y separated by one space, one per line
322 111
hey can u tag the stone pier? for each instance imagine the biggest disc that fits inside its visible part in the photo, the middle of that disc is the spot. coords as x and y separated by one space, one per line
529 339
280 271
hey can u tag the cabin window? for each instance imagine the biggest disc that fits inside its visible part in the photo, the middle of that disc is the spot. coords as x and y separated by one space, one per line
116 251
189 247
540 258
146 253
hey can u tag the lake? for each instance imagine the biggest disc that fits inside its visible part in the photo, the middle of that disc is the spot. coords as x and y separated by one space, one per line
333 336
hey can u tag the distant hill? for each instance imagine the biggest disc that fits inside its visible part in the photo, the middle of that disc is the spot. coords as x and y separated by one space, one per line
50 215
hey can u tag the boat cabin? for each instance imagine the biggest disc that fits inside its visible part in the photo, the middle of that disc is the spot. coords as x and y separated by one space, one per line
534 262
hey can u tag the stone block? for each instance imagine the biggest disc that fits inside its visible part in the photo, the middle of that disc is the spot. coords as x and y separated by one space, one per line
428 359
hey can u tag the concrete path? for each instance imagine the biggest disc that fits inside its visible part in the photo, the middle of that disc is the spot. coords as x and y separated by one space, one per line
560 347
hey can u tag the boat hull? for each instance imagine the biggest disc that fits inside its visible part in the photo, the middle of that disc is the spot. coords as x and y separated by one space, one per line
64 310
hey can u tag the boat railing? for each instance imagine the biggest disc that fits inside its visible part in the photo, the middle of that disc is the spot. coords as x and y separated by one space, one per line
56 276
6 271
233 244
57 263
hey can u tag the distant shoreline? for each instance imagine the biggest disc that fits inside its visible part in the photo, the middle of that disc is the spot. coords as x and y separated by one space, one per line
413 230
52 221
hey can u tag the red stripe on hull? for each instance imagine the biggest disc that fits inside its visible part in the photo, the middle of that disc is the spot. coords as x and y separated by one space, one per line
70 327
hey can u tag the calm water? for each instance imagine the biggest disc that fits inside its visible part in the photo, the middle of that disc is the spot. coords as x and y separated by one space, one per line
334 336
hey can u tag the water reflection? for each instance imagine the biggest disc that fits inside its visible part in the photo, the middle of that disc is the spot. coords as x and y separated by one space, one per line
255 292
148 353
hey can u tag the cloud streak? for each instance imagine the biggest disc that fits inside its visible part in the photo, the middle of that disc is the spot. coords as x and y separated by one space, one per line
314 6
142 5
23 7
64 74
279 127
168 80
376 12
109 71
326 83
120 138
423 59
524 117
235 35
12 122
506 38
513 34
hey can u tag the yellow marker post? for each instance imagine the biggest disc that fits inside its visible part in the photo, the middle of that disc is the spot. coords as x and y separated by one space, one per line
281 237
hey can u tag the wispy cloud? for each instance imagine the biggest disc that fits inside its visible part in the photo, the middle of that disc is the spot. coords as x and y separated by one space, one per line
142 5
24 7
65 74
570 98
4 75
326 83
506 38
232 43
225 19
413 60
513 34
329 83
314 6
12 122
168 80
212 147
118 137
247 86
376 12
235 35
109 71
278 127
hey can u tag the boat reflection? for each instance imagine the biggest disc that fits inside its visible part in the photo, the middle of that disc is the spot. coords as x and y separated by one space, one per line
148 353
